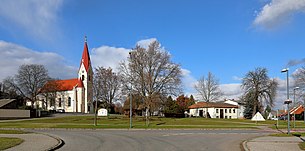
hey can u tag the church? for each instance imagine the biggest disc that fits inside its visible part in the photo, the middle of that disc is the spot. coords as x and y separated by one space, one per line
71 95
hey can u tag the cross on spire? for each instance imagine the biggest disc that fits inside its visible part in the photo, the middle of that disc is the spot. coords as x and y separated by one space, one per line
85 39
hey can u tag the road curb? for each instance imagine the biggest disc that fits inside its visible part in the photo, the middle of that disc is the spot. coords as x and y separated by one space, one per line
244 146
58 145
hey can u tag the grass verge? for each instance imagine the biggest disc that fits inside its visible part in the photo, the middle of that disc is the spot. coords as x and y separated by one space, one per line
302 145
6 143
12 132
122 122
288 135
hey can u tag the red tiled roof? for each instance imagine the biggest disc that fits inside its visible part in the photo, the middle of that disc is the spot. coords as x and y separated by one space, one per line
297 110
85 57
212 104
62 85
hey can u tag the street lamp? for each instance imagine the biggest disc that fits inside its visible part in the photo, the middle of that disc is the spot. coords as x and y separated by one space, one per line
294 105
287 101
130 100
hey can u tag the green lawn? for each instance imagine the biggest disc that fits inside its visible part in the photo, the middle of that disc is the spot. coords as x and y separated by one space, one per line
119 121
12 132
6 143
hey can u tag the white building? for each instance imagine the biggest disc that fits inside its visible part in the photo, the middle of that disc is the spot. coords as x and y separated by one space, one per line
71 95
223 110
241 107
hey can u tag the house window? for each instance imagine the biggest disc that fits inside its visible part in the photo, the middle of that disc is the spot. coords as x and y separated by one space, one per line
229 110
52 102
226 117
217 116
225 110
59 102
233 110
69 101
230 117
216 110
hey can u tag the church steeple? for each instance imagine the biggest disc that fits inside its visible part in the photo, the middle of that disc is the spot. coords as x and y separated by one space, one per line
85 73
85 57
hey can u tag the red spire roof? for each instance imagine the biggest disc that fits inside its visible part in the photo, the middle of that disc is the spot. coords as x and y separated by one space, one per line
85 57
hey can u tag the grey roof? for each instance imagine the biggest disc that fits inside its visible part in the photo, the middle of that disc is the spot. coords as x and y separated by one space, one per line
5 101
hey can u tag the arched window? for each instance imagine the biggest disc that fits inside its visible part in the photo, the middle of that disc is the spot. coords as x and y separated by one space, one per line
59 102
69 101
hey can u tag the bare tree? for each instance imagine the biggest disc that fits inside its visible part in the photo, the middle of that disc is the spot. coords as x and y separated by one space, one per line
28 81
299 81
259 90
106 86
49 91
299 77
151 74
208 88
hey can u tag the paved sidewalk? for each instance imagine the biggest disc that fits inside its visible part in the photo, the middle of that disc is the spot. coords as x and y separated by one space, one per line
269 143
33 142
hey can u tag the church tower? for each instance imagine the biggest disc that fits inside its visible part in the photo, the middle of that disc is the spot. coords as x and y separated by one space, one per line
85 74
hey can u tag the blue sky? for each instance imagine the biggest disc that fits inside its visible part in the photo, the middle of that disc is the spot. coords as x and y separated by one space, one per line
227 38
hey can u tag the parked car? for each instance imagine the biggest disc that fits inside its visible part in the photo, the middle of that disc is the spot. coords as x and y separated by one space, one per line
60 110
274 118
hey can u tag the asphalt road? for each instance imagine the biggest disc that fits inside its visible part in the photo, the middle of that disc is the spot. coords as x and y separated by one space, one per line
152 140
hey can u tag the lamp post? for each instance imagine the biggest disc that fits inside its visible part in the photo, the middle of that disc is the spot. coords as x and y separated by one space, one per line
287 101
294 105
130 100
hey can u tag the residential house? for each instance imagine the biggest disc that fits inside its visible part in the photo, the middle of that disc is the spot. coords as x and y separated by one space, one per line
241 107
214 110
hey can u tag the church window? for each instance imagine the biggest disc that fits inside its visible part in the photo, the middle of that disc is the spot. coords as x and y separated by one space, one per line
83 77
59 102
52 102
69 101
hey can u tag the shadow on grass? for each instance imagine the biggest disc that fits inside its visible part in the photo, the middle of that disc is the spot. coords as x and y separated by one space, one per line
161 123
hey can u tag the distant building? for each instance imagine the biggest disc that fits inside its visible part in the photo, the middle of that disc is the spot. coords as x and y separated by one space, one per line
224 110
71 95
8 104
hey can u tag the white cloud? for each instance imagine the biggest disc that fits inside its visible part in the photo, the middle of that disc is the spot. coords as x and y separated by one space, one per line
36 17
188 82
237 78
145 42
231 91
108 56
278 11
13 55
